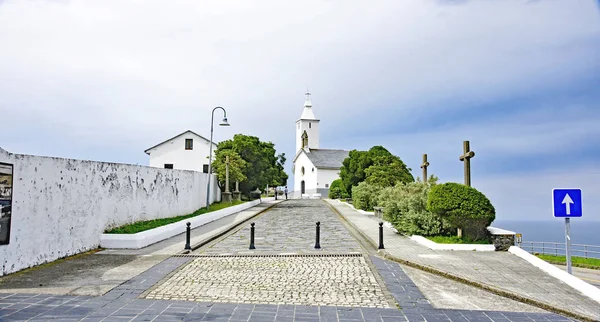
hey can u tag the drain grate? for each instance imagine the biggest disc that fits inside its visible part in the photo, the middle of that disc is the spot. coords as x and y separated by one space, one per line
269 255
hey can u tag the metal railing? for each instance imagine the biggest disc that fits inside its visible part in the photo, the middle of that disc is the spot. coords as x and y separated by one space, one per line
558 249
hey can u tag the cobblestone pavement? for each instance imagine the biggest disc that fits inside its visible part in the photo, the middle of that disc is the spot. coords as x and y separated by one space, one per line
290 228
298 280
123 304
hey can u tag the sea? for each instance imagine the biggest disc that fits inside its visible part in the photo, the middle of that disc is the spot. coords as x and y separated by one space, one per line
553 230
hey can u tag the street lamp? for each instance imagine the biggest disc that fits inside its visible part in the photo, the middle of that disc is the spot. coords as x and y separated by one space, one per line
223 123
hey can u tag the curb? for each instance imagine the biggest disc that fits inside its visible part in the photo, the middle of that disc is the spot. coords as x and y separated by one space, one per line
491 289
226 230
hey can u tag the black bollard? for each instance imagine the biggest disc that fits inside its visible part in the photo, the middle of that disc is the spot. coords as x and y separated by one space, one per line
188 231
252 236
381 235
317 243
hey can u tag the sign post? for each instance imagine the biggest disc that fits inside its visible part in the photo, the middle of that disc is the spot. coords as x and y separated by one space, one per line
566 203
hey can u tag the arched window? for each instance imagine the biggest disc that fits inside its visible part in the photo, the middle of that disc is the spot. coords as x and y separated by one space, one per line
302 170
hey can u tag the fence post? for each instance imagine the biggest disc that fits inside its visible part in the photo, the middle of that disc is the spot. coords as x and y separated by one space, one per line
585 250
317 243
187 236
252 236
381 235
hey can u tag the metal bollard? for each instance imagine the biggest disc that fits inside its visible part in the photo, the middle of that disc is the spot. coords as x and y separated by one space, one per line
252 236
381 235
317 243
188 231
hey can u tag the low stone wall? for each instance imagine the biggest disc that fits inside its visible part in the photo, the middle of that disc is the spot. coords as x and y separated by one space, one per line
60 207
501 238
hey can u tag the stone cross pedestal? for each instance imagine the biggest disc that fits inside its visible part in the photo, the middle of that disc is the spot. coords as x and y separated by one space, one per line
237 194
466 158
226 196
424 167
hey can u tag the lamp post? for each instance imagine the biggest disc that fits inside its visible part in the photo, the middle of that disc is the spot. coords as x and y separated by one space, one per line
223 123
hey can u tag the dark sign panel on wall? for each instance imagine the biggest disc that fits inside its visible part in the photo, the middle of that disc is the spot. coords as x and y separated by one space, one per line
6 184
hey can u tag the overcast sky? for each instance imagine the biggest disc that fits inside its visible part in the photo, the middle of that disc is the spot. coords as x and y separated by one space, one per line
105 80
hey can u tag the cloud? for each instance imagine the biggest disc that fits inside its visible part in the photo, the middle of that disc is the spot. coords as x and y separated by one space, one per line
107 79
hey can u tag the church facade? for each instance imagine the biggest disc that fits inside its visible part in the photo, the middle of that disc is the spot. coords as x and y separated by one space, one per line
314 168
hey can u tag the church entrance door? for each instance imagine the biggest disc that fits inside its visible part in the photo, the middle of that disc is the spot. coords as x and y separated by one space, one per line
302 187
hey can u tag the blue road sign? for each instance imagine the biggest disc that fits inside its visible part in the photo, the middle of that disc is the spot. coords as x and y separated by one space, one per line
566 202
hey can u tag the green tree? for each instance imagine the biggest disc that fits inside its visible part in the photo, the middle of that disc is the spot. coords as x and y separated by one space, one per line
387 170
263 165
237 165
464 207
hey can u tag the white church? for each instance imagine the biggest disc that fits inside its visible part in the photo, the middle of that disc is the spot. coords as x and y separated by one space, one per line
314 168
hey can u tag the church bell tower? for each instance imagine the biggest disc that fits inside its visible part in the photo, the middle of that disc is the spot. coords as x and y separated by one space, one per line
307 128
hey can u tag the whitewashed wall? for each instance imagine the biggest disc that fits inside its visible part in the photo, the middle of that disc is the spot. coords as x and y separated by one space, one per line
325 178
61 206
312 130
309 177
174 152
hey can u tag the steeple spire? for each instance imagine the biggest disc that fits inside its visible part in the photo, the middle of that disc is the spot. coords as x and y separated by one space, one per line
307 113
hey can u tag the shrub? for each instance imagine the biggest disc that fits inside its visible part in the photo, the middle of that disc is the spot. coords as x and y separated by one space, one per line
336 190
365 196
464 207
406 208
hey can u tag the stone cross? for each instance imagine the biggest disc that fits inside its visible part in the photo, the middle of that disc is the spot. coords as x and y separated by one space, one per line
226 173
424 167
466 158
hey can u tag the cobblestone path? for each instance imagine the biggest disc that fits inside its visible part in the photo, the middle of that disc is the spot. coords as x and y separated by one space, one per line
285 268
290 228
340 280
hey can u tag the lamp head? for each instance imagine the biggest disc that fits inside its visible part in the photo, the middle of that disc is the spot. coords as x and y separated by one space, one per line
224 122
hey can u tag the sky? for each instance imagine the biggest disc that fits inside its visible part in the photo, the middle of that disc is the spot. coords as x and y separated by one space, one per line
106 79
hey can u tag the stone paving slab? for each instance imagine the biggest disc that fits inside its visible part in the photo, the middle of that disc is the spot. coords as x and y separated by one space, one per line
290 227
124 304
501 270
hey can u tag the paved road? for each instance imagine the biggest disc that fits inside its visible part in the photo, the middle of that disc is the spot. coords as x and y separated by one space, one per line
284 279
591 276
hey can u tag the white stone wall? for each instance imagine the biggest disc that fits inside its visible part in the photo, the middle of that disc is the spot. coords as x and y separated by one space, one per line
174 152
60 207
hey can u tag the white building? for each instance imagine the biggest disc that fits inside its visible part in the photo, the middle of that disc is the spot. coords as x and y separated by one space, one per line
186 151
314 169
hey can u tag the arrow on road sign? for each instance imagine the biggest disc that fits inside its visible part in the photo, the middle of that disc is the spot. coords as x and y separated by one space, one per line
568 201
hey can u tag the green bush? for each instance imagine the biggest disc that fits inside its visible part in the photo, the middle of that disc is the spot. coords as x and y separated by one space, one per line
464 207
336 190
406 208
365 196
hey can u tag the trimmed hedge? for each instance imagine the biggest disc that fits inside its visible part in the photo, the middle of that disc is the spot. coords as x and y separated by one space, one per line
464 207
337 191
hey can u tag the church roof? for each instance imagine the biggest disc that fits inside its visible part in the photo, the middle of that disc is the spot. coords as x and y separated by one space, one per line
176 136
327 158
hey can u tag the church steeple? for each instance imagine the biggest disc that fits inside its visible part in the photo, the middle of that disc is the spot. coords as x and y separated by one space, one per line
307 127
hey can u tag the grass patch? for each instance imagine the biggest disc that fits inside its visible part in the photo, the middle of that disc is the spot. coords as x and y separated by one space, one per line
455 240
140 226
592 263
